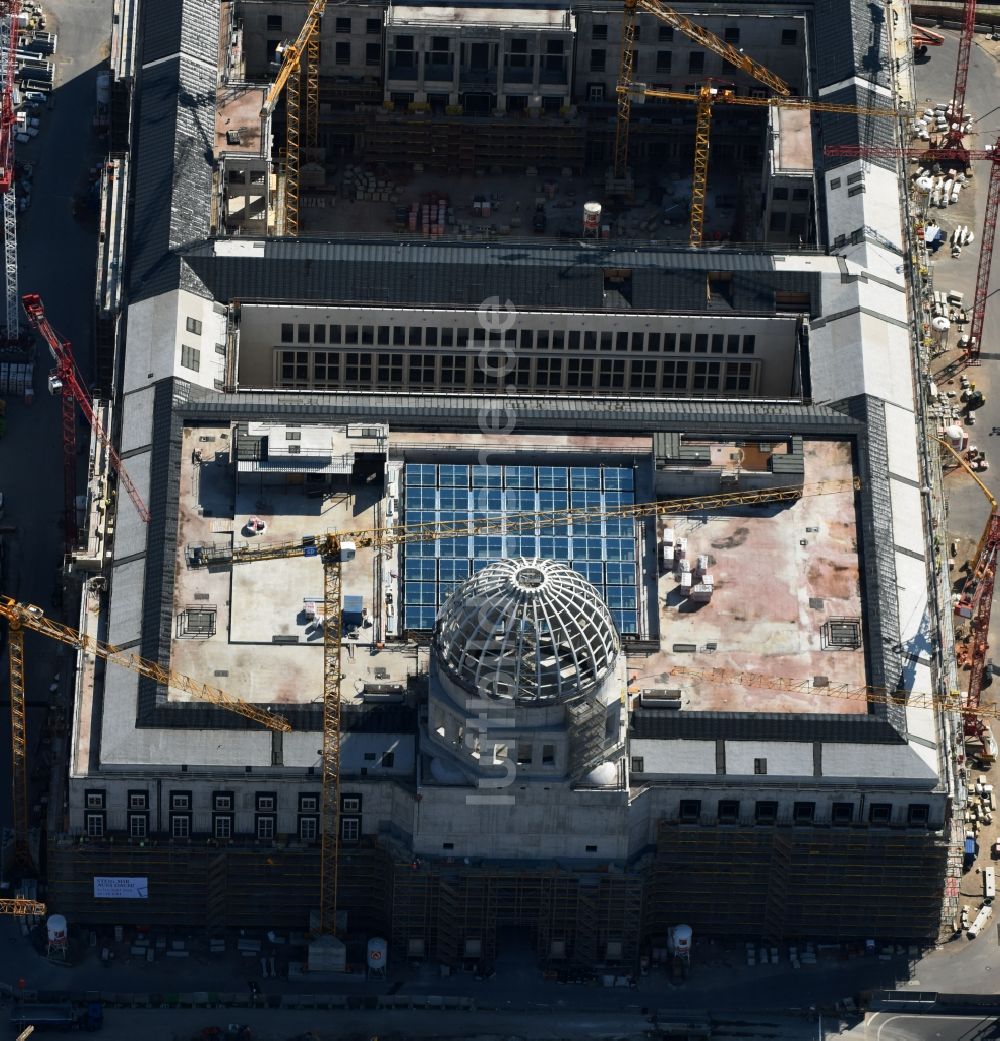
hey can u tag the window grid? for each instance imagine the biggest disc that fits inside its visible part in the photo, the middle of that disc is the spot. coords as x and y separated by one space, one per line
602 549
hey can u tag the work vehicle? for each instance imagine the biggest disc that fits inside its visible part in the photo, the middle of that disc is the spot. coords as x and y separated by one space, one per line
58 1017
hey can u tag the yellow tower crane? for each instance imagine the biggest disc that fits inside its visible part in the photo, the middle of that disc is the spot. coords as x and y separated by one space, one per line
20 617
334 547
299 62
701 36
708 96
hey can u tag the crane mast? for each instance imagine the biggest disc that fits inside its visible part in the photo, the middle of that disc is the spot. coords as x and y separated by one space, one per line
954 137
18 745
704 38
299 63
706 97
8 44
67 380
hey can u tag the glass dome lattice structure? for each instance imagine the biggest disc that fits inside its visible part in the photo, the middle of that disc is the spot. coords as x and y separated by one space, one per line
533 631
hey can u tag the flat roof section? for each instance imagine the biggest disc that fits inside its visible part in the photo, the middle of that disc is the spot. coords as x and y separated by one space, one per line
786 601
251 629
794 151
515 17
237 120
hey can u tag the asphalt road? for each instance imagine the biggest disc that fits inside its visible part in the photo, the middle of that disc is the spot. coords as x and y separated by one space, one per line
967 507
897 1026
57 257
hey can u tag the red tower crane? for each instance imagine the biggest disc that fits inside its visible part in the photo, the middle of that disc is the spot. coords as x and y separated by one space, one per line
8 45
957 118
973 345
976 604
66 380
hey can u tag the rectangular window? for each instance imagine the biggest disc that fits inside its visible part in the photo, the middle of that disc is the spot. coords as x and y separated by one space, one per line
343 25
138 825
350 829
180 800
760 766
190 358
222 826
690 810
600 31
265 827
350 804
731 34
180 825
804 812
304 333
308 828
266 802
789 37
524 751
858 189
319 333
342 52
373 26
598 59
308 803
880 813
95 800
842 813
729 811
194 326
766 812
287 333
638 764
138 800
664 61
388 760
665 34
95 825
918 814
373 54
548 755
274 22
696 61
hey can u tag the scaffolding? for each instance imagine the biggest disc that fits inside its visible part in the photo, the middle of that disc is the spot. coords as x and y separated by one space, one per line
453 916
215 885
787 882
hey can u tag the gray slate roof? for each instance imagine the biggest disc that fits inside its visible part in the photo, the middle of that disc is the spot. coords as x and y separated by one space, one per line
450 274
175 120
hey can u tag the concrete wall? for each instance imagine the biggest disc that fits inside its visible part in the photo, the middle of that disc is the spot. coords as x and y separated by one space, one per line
160 344
523 822
759 34
774 37
687 354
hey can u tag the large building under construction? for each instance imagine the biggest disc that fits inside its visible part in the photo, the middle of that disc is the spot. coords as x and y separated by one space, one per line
586 730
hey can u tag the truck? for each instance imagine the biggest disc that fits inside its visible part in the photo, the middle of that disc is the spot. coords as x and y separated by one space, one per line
63 1016
980 923
679 949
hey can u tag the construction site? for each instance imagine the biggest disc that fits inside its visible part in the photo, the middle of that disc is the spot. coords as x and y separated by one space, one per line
513 514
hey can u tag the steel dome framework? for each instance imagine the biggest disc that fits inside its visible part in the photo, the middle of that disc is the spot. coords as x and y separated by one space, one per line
533 631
